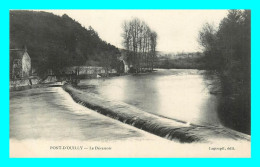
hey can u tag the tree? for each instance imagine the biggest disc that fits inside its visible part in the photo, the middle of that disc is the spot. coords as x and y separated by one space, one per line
208 41
140 43
207 37
228 50
153 39
56 42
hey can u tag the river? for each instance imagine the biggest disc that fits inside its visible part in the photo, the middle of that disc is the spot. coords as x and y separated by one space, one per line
183 94
51 114
44 117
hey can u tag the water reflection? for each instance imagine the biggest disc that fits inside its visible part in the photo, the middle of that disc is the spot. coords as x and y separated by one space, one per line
177 94
186 97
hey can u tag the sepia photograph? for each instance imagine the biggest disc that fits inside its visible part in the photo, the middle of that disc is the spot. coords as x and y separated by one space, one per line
130 83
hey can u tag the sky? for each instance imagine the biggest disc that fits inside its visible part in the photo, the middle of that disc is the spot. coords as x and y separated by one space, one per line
177 29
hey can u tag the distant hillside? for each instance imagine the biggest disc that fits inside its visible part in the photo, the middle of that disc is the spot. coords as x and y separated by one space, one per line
55 42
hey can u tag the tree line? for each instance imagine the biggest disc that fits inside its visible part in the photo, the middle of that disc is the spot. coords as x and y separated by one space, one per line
140 44
227 50
56 42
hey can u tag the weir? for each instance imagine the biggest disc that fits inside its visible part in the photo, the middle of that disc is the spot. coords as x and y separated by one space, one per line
160 126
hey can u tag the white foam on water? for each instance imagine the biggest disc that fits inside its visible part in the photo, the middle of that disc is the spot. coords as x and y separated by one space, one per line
70 104
78 109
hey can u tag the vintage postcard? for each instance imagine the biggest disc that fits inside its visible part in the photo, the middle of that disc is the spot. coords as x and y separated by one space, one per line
130 83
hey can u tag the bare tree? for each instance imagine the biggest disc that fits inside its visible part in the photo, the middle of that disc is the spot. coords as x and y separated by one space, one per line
153 48
207 36
140 43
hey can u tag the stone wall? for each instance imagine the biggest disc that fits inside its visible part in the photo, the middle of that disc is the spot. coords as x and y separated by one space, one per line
21 84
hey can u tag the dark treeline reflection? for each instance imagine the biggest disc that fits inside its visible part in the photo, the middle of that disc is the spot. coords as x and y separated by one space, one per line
235 113
228 51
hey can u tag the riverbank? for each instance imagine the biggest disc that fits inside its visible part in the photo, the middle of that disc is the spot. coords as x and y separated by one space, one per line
163 127
23 84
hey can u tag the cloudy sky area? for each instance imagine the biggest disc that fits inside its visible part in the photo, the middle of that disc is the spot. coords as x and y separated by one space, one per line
177 29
